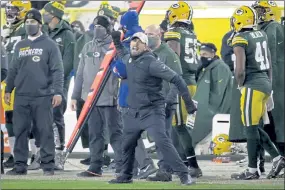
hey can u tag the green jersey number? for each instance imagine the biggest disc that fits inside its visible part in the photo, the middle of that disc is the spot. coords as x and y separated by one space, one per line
261 55
190 51
13 40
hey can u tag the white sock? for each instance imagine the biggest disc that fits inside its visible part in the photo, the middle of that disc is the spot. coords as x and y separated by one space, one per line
276 158
33 146
12 144
252 170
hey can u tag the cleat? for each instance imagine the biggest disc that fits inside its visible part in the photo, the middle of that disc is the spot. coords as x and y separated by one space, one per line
146 171
245 175
195 172
276 168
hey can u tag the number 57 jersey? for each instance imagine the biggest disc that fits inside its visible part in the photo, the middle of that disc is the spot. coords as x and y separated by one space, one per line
258 61
17 34
188 51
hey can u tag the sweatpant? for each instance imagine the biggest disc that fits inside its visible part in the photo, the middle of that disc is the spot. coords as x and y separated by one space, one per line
151 120
58 116
100 118
39 110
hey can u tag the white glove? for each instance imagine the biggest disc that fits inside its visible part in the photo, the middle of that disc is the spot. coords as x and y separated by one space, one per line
191 120
270 103
265 117
6 32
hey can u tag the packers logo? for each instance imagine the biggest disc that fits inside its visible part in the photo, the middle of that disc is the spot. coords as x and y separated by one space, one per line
36 58
221 139
175 6
239 12
272 3
30 15
101 12
96 54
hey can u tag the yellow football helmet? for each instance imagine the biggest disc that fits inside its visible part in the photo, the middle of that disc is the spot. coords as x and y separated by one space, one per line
16 10
243 17
221 145
180 12
267 10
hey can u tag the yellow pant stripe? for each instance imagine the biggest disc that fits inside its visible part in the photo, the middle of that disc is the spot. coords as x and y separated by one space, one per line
252 104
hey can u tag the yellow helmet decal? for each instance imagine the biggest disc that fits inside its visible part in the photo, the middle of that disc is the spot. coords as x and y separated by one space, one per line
179 12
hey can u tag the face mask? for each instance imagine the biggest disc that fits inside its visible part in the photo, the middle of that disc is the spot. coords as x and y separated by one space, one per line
32 29
206 61
153 42
100 33
47 18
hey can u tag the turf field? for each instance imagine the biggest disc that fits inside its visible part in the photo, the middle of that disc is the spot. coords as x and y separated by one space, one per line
215 176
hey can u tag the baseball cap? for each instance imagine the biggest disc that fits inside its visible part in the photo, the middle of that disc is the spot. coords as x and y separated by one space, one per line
141 36
210 47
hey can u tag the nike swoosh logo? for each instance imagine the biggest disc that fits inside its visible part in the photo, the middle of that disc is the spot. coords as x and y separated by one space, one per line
144 170
207 81
279 42
175 61
221 80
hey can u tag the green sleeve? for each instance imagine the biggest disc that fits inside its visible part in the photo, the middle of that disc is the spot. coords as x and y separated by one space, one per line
272 43
68 53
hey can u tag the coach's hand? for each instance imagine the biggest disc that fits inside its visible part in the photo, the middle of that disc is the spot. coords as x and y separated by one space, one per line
116 36
73 105
7 98
56 100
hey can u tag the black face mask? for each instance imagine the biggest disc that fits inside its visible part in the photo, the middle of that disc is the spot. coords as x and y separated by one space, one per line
206 61
32 29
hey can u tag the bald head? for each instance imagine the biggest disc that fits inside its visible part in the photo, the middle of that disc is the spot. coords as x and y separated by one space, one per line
153 29
154 35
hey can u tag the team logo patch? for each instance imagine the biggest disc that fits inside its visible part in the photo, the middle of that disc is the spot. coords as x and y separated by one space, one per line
239 12
96 54
36 58
30 15
130 60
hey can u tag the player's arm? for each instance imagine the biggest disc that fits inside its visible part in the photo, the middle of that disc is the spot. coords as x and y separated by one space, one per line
68 53
56 68
173 40
4 63
160 70
239 44
270 65
13 70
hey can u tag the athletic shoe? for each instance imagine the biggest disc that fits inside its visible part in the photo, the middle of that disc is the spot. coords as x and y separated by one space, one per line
195 172
146 171
9 162
245 175
276 168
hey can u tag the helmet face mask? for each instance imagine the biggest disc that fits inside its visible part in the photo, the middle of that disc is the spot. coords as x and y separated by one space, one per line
12 13
16 10
266 10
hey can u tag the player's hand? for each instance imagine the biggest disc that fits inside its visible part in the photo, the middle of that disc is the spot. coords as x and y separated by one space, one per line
7 98
191 120
73 104
6 32
116 36
56 100
270 103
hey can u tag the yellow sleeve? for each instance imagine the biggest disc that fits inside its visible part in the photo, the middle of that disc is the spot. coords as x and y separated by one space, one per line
171 35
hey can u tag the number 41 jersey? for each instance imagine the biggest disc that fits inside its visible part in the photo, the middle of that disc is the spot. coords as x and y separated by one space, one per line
188 51
257 63
17 34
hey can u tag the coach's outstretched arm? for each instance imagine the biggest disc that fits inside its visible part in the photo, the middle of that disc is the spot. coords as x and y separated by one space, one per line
162 71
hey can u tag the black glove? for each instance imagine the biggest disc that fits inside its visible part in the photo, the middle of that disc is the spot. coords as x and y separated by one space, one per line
116 35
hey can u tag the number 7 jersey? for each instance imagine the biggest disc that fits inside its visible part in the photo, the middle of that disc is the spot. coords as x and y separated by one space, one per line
188 51
257 63
17 34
